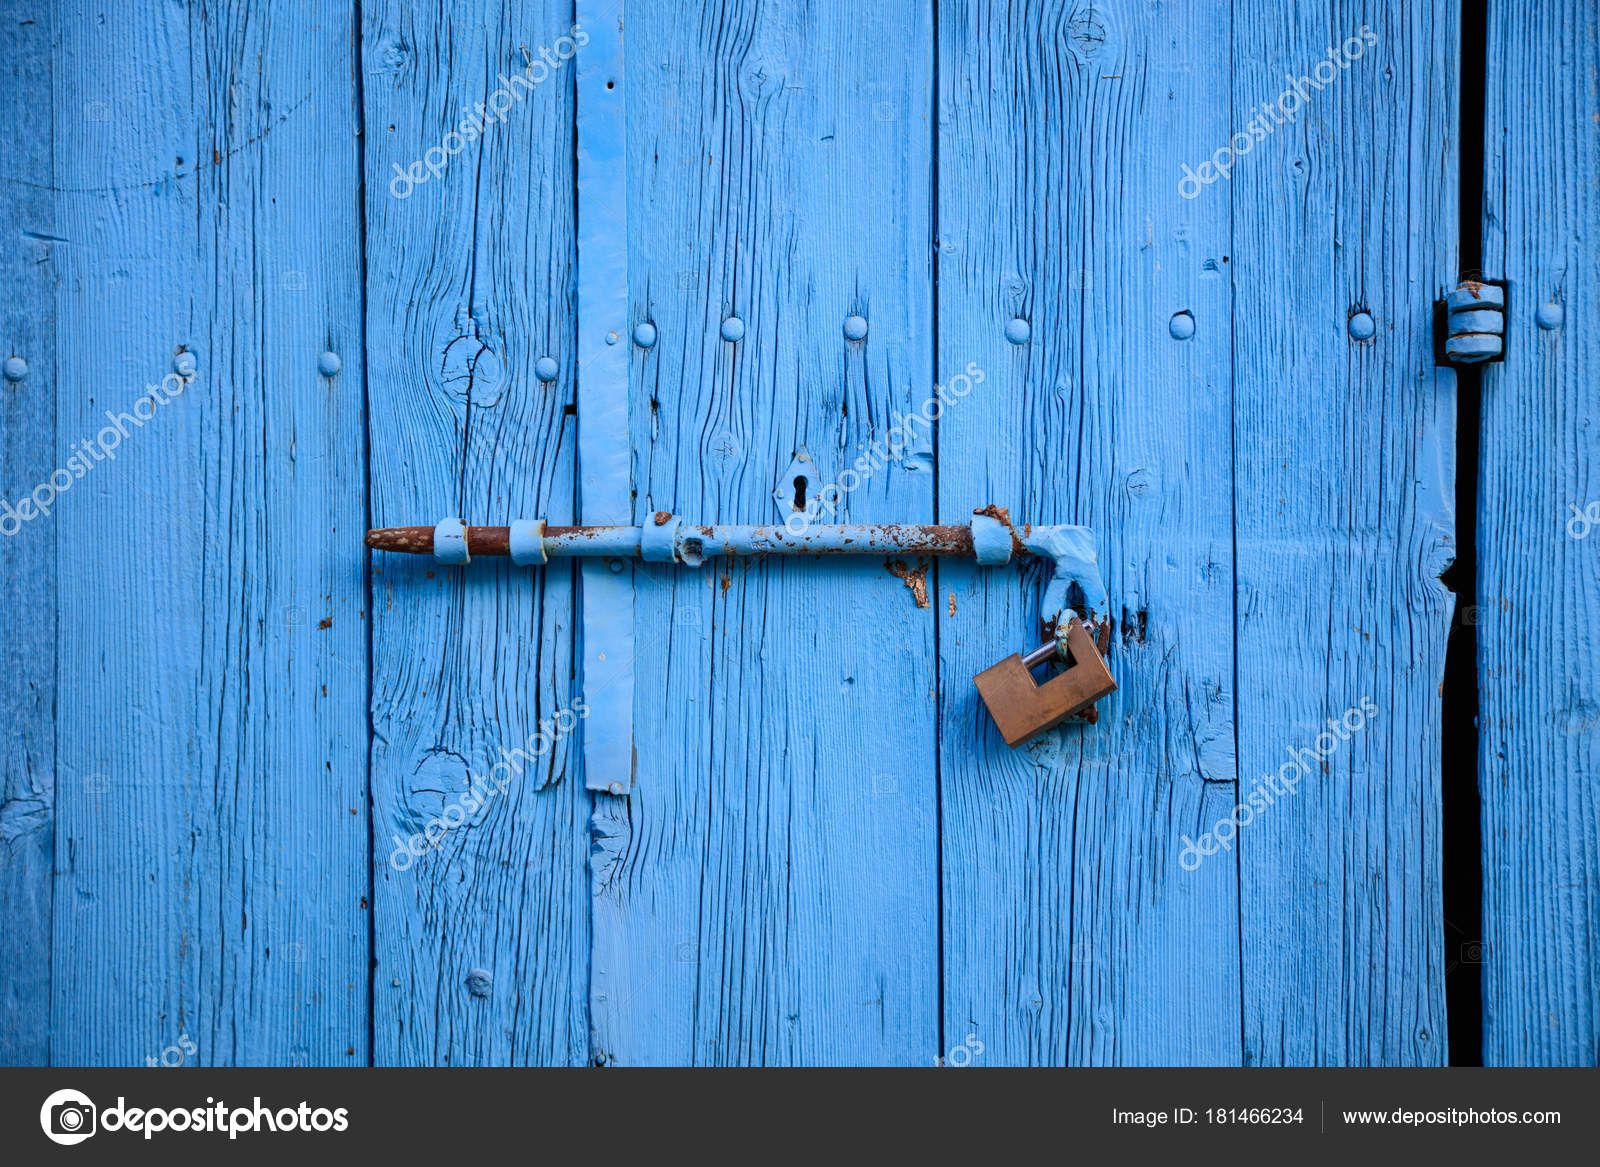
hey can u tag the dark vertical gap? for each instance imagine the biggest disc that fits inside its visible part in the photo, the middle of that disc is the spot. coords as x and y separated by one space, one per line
938 655
366 475
588 800
1462 806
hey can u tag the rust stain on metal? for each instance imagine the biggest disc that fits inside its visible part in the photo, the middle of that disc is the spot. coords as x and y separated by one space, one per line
999 514
419 540
412 540
915 578
1002 515
663 518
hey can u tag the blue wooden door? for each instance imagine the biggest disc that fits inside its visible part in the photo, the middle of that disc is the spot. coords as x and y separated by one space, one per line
270 799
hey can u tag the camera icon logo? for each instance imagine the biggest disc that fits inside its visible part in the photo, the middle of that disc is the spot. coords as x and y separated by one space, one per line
68 1117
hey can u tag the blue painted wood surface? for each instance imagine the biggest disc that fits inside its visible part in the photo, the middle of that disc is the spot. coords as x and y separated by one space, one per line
1539 555
1071 934
769 891
480 947
1343 524
247 770
27 564
211 692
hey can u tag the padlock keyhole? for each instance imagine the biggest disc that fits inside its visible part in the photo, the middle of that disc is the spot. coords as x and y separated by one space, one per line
800 492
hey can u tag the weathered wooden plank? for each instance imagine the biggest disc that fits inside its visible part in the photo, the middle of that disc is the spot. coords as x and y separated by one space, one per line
212 683
481 944
1539 554
767 894
27 548
1066 252
1344 475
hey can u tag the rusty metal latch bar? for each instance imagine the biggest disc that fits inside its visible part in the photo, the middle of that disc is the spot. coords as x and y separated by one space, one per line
991 539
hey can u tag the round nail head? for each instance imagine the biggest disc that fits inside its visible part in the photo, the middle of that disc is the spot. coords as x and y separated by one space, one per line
1550 315
612 337
645 335
1181 326
1018 330
733 328
545 368
1362 327
15 368
184 364
328 364
855 327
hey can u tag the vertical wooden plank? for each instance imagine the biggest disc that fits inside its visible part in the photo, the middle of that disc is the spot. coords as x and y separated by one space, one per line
27 547
481 944
1344 507
213 688
767 893
1539 547
1066 252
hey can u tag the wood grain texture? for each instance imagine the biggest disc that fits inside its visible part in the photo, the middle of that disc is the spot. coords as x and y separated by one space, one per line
1344 477
768 893
1072 937
208 842
1539 588
480 947
27 554
223 721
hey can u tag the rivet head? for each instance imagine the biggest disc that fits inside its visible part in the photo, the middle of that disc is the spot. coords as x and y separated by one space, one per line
15 368
328 364
615 565
1549 315
645 335
733 328
1018 330
184 364
615 788
1362 327
612 337
855 327
545 368
480 982
1181 325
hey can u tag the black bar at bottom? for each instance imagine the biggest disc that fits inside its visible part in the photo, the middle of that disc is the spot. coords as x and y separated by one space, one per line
249 1114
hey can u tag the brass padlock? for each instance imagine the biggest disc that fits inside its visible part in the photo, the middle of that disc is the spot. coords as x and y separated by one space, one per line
1023 708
